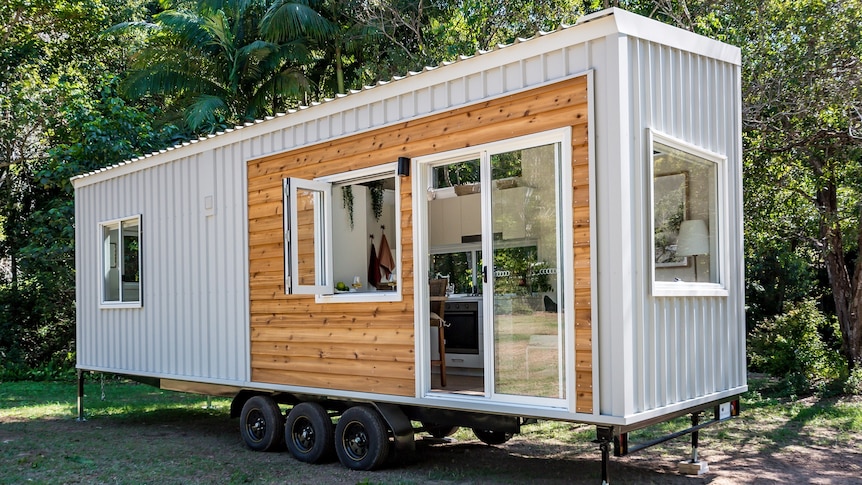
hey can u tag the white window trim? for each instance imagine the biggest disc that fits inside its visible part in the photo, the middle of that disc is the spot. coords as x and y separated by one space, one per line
690 288
378 171
104 305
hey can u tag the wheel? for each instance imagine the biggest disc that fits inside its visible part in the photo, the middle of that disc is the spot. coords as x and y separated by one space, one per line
309 433
261 423
361 439
490 437
440 431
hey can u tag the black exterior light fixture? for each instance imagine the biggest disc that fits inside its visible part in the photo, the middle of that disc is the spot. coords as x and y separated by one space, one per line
403 167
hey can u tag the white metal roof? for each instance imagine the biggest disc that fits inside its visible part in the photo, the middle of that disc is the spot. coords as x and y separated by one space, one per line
603 23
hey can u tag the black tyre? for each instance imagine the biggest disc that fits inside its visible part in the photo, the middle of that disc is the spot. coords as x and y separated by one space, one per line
361 439
491 437
261 423
440 431
309 433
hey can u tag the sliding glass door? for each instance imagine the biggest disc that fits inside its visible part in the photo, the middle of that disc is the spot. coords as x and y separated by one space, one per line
496 228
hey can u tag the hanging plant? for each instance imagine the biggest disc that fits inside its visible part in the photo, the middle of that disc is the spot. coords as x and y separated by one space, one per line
347 202
376 188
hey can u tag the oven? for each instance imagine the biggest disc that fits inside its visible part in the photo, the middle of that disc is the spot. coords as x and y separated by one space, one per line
462 334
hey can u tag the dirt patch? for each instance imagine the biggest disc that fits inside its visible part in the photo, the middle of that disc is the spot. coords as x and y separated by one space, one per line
203 446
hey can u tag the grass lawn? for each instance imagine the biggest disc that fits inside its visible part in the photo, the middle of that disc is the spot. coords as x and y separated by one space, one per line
140 434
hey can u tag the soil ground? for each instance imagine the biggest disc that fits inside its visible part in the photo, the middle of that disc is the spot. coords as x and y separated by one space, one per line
204 446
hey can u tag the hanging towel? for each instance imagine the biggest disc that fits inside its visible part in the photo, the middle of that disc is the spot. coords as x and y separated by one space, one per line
387 264
373 268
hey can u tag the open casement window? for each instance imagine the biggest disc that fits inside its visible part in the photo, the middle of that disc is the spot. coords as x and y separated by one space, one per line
308 224
341 242
687 213
121 263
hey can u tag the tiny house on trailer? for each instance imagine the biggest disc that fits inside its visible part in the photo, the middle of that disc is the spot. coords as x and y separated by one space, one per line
548 230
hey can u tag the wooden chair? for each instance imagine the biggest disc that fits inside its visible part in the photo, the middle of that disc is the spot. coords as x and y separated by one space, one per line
438 310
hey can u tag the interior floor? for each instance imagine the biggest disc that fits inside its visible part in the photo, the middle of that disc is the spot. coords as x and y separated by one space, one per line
459 384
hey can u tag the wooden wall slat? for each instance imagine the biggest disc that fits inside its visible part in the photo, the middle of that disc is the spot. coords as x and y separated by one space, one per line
393 386
393 369
382 352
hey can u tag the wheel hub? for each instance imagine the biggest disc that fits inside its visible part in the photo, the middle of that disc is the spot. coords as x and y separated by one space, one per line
304 436
357 442
257 426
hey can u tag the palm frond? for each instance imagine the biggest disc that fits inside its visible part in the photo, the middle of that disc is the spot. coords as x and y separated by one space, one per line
287 20
169 77
294 53
279 92
291 83
257 50
205 109
218 26
187 25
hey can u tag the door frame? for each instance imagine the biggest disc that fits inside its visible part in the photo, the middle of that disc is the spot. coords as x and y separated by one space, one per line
422 194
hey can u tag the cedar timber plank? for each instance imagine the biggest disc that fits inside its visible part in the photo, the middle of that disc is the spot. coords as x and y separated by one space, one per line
370 347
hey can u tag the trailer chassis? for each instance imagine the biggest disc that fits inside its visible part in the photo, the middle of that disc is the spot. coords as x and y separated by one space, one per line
489 428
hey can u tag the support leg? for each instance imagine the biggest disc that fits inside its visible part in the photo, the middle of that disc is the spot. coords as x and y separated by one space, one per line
81 396
606 458
695 466
695 418
604 437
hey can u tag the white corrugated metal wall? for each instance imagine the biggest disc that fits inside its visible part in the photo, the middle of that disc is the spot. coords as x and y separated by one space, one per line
193 322
686 347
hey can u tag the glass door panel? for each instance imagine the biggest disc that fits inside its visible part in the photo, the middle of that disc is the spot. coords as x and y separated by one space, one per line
528 337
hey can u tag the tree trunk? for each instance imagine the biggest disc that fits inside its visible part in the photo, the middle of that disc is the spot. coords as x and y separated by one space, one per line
339 69
845 289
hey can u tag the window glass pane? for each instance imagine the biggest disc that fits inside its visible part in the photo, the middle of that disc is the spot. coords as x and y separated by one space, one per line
364 226
310 262
685 216
458 173
459 268
529 350
111 262
131 274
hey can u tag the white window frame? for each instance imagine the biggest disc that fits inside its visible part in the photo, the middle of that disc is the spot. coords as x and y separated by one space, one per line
105 260
324 293
323 233
690 288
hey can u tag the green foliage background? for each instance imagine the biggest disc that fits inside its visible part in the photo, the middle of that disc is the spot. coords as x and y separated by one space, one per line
89 83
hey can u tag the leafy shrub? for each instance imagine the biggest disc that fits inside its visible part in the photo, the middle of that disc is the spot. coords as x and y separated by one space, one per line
792 346
37 328
853 384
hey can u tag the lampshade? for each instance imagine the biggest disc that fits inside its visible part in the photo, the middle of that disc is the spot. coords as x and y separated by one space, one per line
693 238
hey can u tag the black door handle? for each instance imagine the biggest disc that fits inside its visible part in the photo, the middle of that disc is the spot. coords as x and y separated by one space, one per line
484 274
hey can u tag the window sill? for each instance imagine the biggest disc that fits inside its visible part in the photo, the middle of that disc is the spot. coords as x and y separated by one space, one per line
669 289
109 305
359 297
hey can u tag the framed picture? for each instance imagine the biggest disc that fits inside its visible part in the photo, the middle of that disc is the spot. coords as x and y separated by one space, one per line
670 199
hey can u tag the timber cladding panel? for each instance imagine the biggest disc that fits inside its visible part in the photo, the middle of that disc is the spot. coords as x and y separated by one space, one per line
369 347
